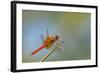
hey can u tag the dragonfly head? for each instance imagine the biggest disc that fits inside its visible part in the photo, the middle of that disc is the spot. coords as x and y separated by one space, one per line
57 37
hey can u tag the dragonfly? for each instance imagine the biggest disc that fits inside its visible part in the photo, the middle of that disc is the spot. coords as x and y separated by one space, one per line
47 43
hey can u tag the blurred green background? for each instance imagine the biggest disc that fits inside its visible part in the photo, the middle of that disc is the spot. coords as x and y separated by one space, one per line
72 27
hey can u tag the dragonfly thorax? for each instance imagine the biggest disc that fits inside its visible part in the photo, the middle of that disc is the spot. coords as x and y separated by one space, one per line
49 42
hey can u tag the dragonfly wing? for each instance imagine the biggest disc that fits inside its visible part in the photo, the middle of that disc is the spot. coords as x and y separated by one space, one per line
58 46
47 32
59 49
46 56
42 39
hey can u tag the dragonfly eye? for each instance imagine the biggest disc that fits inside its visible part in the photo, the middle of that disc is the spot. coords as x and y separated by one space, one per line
57 37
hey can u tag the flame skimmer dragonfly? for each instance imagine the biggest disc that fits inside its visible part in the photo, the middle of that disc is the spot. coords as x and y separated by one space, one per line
47 43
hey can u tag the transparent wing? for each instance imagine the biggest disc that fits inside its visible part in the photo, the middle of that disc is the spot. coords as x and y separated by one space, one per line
56 47
47 32
42 38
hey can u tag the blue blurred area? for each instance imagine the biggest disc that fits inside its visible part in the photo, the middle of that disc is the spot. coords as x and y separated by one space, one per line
75 32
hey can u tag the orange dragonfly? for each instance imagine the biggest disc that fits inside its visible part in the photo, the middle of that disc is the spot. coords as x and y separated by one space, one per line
47 43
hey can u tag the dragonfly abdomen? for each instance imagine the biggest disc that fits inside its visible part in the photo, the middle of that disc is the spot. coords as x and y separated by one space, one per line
40 48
